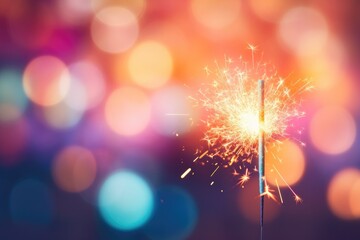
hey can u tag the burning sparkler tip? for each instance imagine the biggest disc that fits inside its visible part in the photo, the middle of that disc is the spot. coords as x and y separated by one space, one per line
298 199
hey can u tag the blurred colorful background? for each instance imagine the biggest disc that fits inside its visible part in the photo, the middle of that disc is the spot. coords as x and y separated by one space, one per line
87 89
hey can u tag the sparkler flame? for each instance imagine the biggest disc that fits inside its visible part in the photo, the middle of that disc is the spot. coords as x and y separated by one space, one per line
231 123
231 103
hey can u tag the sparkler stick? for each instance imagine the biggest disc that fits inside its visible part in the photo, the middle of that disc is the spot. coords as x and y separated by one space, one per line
235 126
261 156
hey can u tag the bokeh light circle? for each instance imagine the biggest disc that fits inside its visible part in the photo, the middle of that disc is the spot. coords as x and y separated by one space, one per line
31 203
327 68
339 190
114 29
61 116
74 12
13 100
127 111
76 99
87 87
145 70
270 10
172 110
175 215
46 80
333 84
74 169
333 130
288 158
135 6
354 198
215 14
303 30
126 201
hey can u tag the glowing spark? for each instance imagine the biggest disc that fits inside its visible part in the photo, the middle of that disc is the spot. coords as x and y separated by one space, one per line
207 70
204 153
277 184
244 178
297 198
235 173
253 49
269 193
233 160
185 173
214 171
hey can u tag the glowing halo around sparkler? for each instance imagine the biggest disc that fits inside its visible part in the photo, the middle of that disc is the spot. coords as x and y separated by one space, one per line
231 125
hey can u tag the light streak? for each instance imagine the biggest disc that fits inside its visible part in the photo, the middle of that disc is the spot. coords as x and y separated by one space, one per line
296 197
185 173
203 154
278 188
215 171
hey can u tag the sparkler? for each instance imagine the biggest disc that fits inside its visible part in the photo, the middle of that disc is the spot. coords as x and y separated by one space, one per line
236 129
261 162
